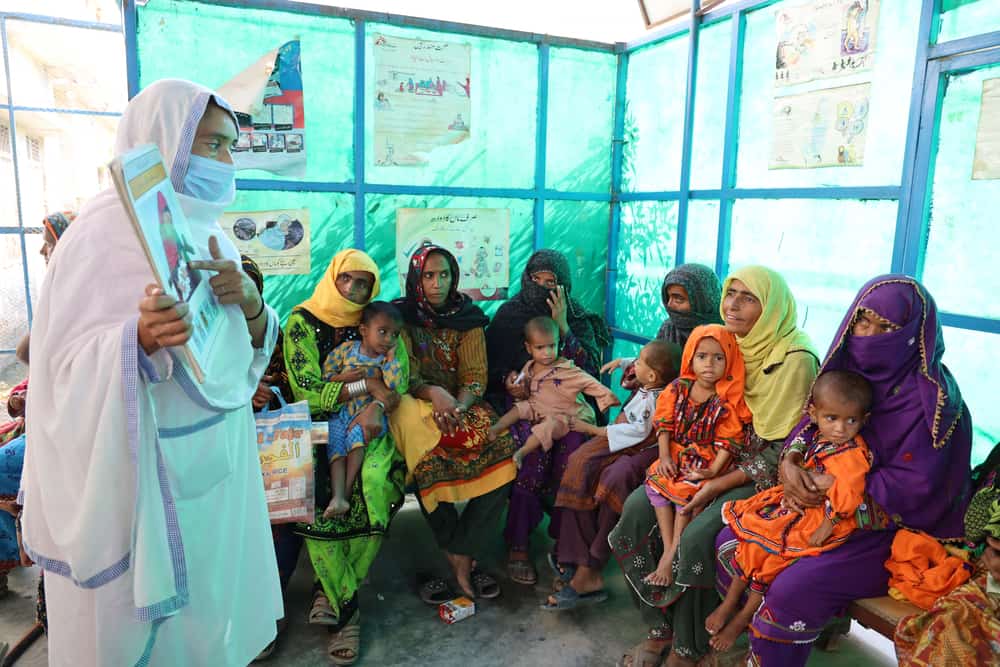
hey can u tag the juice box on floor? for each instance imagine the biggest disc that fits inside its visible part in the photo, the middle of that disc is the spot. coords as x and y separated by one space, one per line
455 610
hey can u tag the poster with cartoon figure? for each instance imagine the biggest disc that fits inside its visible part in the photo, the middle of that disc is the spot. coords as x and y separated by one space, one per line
824 39
267 99
422 98
478 237
824 128
277 240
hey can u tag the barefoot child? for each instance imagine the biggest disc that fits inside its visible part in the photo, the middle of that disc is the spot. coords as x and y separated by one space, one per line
700 419
351 361
554 404
771 534
653 369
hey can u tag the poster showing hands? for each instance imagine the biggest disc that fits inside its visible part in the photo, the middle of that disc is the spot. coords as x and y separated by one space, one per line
267 99
422 98
277 240
823 39
478 237
824 128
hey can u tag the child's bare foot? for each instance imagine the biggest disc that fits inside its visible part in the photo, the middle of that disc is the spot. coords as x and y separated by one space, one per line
725 638
663 575
336 507
717 619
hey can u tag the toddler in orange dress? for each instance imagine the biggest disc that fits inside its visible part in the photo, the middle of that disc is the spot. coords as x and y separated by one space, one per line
772 534
700 421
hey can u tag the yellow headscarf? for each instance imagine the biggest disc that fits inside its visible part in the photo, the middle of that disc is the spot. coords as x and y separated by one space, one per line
777 385
327 303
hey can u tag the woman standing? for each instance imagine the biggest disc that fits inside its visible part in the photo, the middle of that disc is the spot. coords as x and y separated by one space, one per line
546 287
442 428
342 548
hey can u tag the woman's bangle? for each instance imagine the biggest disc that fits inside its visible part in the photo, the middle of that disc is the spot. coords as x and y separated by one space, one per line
381 405
357 388
259 312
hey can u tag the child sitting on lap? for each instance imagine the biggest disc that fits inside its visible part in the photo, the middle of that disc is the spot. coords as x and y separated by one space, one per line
772 535
700 421
554 404
371 357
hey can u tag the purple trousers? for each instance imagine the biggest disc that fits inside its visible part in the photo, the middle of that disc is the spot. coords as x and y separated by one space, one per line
537 479
811 591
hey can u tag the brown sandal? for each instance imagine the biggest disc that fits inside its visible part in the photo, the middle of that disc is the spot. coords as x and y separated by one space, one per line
321 612
347 640
641 656
522 571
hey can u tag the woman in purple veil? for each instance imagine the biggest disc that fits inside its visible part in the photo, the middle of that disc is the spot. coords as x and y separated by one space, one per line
920 434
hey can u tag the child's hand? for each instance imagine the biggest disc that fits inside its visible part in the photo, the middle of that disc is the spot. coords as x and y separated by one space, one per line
518 458
698 474
821 534
666 467
352 375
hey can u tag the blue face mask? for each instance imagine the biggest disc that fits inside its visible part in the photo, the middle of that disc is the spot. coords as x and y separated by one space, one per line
210 180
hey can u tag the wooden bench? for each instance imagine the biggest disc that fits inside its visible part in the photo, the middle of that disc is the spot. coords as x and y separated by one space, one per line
881 614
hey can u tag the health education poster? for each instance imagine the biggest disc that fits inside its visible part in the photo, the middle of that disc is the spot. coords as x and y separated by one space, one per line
986 164
824 128
478 237
422 98
277 240
824 39
267 98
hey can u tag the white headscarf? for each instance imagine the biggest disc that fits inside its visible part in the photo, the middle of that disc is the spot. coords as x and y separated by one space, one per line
94 507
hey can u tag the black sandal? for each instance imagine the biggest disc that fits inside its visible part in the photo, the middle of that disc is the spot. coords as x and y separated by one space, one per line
485 585
435 591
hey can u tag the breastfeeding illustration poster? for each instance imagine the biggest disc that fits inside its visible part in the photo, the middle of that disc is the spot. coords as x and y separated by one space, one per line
478 237
267 99
986 163
824 39
422 98
277 240
824 128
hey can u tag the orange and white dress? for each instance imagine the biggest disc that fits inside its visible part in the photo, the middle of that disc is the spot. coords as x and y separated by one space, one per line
771 537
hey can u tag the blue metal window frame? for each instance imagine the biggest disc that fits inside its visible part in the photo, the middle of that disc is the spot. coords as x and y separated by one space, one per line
10 108
932 62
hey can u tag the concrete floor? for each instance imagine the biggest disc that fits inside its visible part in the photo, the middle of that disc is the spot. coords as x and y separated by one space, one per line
398 629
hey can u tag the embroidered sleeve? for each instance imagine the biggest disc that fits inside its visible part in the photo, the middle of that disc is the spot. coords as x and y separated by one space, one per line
849 466
663 417
799 443
305 368
729 432
570 348
472 362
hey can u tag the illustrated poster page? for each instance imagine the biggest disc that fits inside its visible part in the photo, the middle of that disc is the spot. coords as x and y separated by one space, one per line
986 164
478 237
422 98
824 39
824 128
277 240
267 98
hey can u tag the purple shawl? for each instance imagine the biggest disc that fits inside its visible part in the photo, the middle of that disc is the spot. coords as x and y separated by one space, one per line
919 432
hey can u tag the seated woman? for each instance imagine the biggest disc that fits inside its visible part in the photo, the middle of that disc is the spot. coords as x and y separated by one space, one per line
442 428
546 287
341 548
920 435
780 365
963 627
691 294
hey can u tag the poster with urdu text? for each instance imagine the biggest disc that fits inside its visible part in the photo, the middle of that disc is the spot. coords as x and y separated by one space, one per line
986 164
277 240
478 237
824 128
421 98
824 39
267 98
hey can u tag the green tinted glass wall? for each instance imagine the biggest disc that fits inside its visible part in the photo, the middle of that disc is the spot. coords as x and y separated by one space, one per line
648 241
580 231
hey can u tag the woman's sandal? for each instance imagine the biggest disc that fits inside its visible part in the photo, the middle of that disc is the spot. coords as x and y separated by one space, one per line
522 571
321 612
640 656
563 573
485 585
567 598
346 642
435 591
